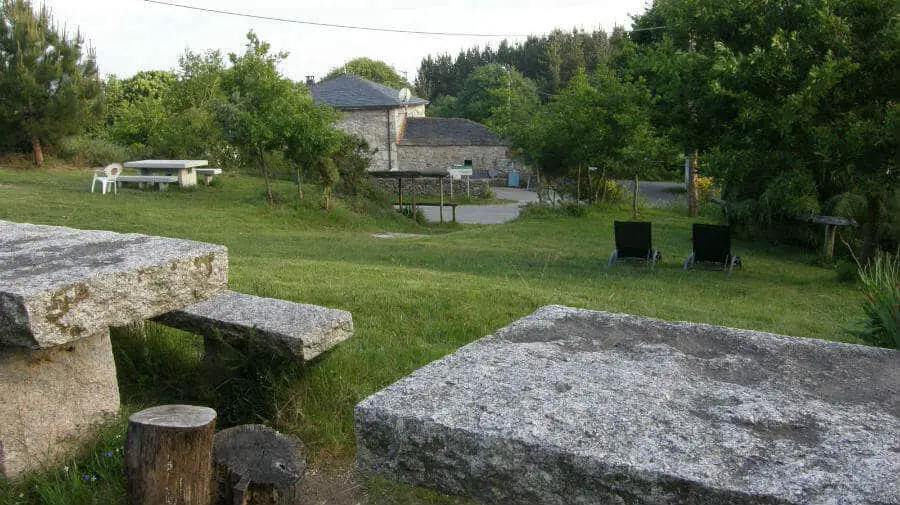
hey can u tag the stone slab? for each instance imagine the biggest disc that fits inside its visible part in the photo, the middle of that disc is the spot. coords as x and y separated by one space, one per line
570 406
166 164
51 398
59 284
293 329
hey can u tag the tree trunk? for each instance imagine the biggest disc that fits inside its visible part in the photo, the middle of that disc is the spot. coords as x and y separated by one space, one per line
870 229
299 185
692 184
270 200
257 465
168 455
634 197
37 151
578 186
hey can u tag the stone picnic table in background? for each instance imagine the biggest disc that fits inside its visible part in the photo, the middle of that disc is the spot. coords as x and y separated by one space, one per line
575 406
60 291
186 169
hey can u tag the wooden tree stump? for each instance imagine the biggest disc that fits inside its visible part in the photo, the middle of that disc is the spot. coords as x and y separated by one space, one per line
168 455
256 465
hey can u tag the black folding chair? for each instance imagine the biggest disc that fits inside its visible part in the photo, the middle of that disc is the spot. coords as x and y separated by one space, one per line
712 244
634 240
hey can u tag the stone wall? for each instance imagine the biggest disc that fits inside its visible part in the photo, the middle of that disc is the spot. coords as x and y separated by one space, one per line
431 187
437 157
380 128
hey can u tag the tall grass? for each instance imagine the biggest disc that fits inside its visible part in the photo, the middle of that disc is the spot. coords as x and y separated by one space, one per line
881 305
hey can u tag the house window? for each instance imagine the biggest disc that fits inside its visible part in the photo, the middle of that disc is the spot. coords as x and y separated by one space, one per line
467 163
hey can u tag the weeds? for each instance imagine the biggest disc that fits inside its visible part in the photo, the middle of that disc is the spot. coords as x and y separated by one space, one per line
881 305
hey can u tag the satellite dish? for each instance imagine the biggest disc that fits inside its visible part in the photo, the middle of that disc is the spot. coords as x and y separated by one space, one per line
404 96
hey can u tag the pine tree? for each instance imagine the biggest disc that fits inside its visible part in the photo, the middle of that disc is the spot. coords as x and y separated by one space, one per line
49 86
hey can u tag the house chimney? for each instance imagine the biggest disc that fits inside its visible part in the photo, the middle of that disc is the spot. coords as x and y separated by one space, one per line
310 80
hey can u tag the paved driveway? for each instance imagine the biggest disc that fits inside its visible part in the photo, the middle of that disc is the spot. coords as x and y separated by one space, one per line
656 192
486 214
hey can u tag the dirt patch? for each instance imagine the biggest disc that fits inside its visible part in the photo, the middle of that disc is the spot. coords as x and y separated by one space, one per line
332 486
398 235
7 186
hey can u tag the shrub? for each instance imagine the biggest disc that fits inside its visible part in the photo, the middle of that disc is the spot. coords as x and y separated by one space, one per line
608 191
706 188
419 216
881 286
574 209
93 151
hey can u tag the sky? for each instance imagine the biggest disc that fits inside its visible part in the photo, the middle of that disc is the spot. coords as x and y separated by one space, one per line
134 35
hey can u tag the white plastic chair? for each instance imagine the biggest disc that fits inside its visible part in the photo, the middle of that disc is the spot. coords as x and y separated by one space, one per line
106 176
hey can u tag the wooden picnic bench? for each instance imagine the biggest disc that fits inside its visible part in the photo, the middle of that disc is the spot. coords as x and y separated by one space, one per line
160 181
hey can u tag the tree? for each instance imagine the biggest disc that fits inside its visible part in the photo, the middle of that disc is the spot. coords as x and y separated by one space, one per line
48 80
373 70
264 113
492 87
600 121
253 115
795 102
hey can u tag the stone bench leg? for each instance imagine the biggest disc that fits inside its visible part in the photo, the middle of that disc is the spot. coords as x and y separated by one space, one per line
51 398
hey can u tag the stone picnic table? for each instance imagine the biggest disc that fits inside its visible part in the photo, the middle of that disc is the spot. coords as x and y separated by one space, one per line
184 169
60 291
577 406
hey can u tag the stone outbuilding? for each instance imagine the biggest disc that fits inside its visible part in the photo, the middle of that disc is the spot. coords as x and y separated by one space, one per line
427 143
400 135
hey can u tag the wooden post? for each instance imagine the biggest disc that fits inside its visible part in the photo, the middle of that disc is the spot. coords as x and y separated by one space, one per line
454 213
414 199
441 182
830 232
692 190
257 465
168 455
400 192
634 197
578 186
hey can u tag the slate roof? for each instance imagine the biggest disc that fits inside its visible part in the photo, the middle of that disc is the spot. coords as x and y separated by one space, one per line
432 131
351 92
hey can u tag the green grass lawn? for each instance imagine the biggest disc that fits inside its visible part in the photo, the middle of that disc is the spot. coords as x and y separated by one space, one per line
412 301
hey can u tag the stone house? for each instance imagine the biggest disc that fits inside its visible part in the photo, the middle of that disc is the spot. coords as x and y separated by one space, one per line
400 135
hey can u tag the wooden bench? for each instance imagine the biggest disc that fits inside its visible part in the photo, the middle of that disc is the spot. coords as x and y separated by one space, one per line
441 205
161 181
289 329
208 173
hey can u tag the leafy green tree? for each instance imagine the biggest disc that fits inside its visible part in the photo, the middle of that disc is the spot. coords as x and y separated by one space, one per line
152 84
491 88
352 158
601 121
264 112
373 70
795 102
442 106
49 85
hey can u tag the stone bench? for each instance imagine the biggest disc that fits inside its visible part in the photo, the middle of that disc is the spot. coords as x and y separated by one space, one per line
576 406
161 181
291 329
60 291
208 173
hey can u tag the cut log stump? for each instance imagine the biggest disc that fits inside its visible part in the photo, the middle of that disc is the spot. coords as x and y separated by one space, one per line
257 465
168 455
